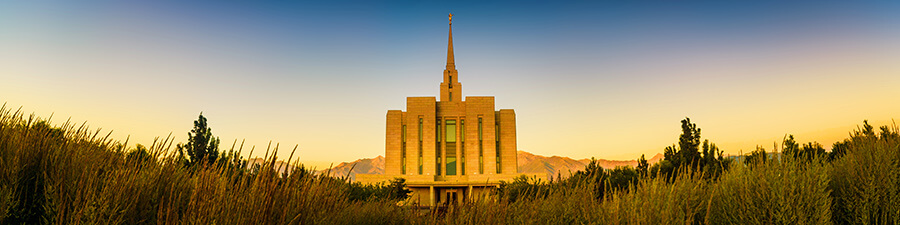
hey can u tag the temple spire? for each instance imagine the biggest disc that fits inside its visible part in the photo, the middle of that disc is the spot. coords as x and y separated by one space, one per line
451 89
451 65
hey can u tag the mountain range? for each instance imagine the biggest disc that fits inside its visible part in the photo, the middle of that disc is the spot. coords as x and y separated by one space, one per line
527 163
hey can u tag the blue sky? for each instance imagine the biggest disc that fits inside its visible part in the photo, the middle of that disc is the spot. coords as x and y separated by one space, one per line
608 79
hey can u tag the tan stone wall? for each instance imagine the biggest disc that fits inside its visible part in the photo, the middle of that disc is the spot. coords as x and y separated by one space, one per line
470 110
422 107
480 107
451 86
508 146
392 142
431 111
374 178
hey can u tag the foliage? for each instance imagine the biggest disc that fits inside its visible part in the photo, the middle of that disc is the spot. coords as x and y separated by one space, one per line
594 179
790 147
202 146
758 156
790 191
808 152
687 152
393 191
74 175
687 157
622 177
866 179
525 187
642 166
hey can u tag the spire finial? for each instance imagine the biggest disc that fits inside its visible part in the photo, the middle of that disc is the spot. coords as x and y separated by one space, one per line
451 90
450 62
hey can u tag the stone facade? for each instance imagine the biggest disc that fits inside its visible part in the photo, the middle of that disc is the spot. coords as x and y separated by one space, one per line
449 149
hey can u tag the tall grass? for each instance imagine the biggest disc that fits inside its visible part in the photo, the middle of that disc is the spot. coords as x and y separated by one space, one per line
866 181
74 175
786 191
71 174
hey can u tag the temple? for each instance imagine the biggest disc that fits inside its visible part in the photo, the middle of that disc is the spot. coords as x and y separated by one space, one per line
449 149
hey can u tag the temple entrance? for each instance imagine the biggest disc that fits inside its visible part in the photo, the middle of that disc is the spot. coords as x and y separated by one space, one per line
452 197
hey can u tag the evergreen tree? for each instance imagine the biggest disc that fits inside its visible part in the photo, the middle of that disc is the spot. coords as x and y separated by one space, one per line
202 146
686 155
811 150
808 152
642 166
397 190
593 175
789 147
838 149
689 142
687 152
757 156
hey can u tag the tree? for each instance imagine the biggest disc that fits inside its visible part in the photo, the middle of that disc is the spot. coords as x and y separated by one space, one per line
757 156
593 176
838 149
642 166
689 142
808 152
867 130
789 147
687 151
713 163
686 154
622 177
865 134
522 187
202 146
397 190
886 132
811 150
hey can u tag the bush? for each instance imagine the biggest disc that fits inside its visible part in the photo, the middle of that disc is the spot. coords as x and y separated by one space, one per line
393 191
866 180
788 191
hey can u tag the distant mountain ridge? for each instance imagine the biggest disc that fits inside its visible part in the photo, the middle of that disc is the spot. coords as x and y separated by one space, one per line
565 166
527 163
360 166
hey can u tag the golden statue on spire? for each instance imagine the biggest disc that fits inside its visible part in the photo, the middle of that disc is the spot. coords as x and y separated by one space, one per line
450 18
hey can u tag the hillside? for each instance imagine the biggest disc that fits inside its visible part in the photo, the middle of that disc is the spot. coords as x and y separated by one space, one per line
527 163
565 166
360 166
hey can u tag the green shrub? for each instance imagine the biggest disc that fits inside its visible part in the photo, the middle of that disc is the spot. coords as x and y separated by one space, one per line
787 191
866 180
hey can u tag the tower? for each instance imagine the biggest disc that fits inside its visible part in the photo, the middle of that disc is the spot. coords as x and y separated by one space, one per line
449 149
451 89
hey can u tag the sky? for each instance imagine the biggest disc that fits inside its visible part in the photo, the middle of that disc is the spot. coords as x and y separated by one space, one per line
605 79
